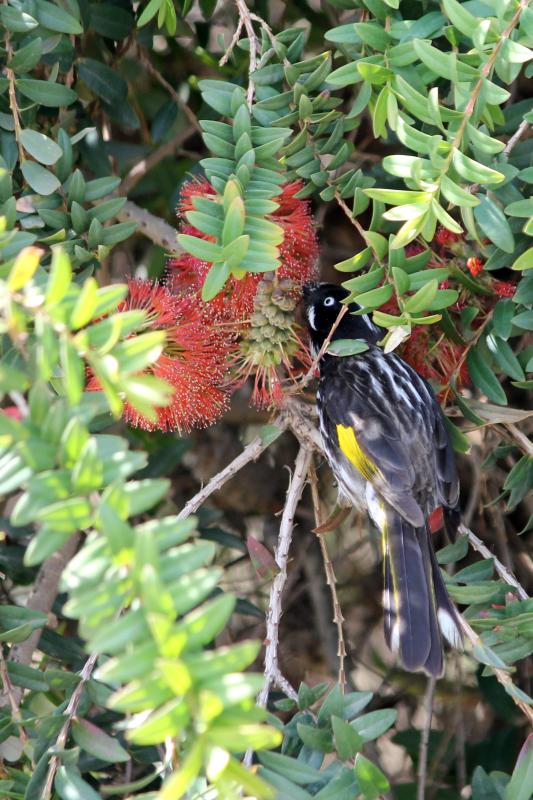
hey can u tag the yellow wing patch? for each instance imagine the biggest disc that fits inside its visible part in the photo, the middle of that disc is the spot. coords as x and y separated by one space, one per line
350 447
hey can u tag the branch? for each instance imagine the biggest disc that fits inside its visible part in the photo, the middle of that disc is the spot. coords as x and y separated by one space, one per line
42 598
234 39
149 66
294 492
140 169
251 452
338 618
244 16
520 438
13 700
505 574
421 772
517 135
154 228
70 712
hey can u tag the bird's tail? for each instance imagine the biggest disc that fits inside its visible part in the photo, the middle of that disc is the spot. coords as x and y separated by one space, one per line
418 610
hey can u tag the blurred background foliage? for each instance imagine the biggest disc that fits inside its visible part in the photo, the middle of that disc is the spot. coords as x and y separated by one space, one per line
126 624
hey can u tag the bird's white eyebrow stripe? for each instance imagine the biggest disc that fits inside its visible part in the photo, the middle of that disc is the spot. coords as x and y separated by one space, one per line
311 317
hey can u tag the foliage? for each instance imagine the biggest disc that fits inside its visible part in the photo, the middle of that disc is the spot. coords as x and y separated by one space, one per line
138 686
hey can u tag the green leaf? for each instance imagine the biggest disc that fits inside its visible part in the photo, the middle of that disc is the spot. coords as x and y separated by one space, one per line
201 248
347 741
374 724
520 208
103 81
347 347
70 785
96 742
24 268
98 188
41 147
110 20
46 93
473 171
291 768
16 20
504 357
366 281
493 223
46 542
483 377
372 781
149 12
524 261
318 739
41 180
453 552
59 278
18 634
456 194
519 787
376 297
215 281
524 320
27 57
463 20
356 262
423 298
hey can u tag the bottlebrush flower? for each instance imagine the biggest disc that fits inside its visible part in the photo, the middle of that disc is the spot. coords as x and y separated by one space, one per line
446 238
504 288
475 266
270 342
193 360
298 254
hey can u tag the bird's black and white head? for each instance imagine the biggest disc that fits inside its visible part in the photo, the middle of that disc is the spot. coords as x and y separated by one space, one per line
323 303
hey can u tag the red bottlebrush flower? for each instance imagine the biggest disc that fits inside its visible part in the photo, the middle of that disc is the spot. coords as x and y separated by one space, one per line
445 238
193 360
475 266
504 288
298 254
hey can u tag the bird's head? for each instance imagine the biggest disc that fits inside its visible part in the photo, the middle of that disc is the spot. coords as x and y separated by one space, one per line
323 303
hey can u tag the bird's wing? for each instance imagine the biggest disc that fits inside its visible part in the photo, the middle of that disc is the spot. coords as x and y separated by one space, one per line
388 425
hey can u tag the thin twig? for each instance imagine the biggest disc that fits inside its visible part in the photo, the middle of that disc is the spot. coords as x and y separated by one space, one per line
244 14
520 438
154 228
309 375
142 167
421 772
272 672
11 80
154 72
70 712
505 574
281 555
251 452
234 39
42 599
338 618
282 683
12 699
517 135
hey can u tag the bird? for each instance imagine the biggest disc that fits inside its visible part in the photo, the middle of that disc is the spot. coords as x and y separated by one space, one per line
386 441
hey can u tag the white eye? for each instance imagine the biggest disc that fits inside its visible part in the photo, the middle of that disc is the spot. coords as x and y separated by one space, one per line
329 301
